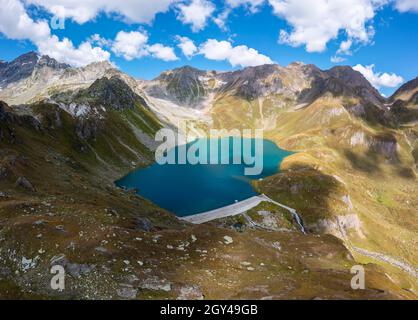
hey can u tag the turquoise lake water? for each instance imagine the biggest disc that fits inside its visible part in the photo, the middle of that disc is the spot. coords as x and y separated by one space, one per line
187 189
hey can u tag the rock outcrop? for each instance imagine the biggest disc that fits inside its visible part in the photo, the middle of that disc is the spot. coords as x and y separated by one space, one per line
24 183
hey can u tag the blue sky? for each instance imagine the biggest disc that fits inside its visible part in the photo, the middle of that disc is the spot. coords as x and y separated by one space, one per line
377 37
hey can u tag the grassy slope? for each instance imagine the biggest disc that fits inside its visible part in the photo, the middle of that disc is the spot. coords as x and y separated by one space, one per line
126 244
382 187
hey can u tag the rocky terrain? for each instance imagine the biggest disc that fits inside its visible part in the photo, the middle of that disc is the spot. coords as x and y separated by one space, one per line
66 134
24 66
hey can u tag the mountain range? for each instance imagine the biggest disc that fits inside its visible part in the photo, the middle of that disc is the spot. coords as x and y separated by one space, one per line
66 134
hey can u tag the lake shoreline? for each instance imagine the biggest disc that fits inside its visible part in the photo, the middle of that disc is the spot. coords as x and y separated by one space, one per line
179 189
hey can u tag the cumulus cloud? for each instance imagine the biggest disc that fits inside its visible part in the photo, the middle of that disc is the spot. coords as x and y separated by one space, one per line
162 52
337 59
196 13
213 49
378 79
407 5
315 22
15 23
345 47
221 19
237 56
252 5
130 45
64 51
134 45
82 11
99 40
187 46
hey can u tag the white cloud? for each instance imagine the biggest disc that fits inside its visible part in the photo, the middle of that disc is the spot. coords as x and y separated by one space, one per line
134 45
345 47
315 22
196 13
81 11
187 46
252 5
130 45
337 59
407 5
213 49
99 40
237 56
162 52
378 79
221 19
64 51
15 23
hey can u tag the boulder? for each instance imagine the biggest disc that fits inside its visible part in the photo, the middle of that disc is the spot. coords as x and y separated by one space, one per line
143 224
24 183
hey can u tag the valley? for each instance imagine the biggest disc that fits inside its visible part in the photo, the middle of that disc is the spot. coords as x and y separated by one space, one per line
67 134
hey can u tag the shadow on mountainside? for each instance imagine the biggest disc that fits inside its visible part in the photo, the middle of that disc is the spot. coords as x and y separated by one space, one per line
372 153
368 162
372 162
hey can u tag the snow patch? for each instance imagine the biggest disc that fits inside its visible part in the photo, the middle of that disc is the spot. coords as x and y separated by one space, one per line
75 110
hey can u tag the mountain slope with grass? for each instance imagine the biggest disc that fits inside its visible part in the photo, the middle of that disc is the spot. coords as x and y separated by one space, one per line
32 78
404 103
116 245
354 174
353 180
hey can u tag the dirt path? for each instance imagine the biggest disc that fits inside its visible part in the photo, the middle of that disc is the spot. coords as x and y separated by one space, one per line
387 259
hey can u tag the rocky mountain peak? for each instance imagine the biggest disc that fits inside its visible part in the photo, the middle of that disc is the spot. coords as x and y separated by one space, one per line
404 102
31 77
46 61
23 67
20 68
188 69
29 57
252 74
407 92
349 76
113 92
296 64
257 71
252 82
357 83
185 73
107 92
183 86
100 65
